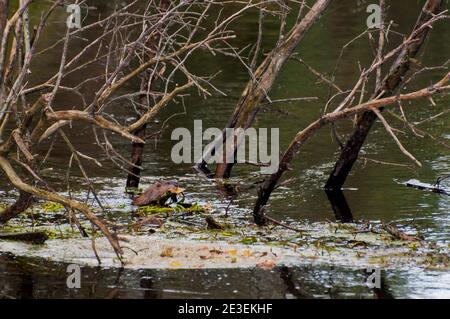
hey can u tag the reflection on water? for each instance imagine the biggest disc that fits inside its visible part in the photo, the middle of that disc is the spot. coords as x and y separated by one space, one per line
41 280
22 278
340 206
371 193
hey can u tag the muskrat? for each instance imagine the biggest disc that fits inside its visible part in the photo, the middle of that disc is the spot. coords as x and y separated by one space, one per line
158 194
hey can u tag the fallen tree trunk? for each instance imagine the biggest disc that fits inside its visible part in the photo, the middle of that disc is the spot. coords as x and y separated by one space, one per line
260 85
391 83
301 137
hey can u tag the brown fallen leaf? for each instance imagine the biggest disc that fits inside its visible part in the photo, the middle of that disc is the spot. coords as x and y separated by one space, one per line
232 252
266 264
205 257
167 252
247 253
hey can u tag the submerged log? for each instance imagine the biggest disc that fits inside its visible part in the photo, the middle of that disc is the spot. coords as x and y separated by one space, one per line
37 238
435 188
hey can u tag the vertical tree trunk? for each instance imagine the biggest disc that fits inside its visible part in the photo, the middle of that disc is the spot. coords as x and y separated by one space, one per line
391 83
137 150
260 85
137 154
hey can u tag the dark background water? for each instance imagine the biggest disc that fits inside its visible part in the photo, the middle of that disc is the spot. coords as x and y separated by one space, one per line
372 190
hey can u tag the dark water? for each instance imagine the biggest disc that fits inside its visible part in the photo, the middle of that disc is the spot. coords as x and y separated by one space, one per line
25 278
372 191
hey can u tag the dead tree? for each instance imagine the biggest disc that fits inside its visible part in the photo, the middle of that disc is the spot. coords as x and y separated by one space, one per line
27 121
260 84
385 95
391 83
301 137
137 151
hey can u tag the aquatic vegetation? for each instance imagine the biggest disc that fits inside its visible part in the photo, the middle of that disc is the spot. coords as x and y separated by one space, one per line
145 210
347 245
52 207
177 208
248 240
437 261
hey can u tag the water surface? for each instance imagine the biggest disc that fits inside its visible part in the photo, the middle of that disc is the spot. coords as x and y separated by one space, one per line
372 191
